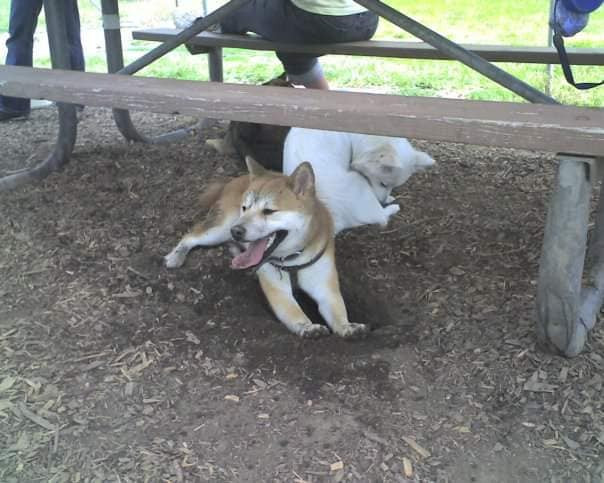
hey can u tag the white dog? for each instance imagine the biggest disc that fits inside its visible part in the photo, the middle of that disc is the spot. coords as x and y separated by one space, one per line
355 173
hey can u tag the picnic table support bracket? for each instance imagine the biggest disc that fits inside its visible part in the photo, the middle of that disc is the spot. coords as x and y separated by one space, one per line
66 137
115 63
567 311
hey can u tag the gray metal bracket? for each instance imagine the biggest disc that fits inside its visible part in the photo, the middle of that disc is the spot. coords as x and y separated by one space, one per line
568 308
115 64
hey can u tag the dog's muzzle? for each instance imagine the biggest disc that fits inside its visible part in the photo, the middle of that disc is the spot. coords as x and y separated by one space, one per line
256 252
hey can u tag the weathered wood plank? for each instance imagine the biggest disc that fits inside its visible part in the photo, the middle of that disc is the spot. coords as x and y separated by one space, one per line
383 48
549 128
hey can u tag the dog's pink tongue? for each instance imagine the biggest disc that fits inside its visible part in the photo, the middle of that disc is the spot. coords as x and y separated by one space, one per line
252 256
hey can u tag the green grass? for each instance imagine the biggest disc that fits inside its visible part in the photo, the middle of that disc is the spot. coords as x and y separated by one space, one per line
4 11
464 21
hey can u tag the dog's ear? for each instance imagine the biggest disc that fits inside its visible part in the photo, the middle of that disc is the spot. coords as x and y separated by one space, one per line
254 167
422 161
303 179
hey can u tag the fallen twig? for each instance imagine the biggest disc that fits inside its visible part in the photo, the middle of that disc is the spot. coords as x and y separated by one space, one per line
136 272
423 452
39 420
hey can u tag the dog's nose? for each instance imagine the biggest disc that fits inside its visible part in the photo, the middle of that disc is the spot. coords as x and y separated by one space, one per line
238 232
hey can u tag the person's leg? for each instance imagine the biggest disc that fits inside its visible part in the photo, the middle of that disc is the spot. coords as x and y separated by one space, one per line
20 44
312 28
303 70
318 83
72 22
277 20
281 21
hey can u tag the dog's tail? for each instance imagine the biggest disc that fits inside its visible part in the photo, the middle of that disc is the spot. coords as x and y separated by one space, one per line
210 194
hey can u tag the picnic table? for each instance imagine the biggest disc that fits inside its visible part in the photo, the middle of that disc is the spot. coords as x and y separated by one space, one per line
568 298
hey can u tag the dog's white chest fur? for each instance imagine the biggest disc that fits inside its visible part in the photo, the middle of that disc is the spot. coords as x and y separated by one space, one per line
355 173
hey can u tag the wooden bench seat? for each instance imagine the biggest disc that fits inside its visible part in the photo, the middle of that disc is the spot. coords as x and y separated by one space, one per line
552 128
381 48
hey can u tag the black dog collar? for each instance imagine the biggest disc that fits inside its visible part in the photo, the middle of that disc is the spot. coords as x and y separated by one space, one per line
296 268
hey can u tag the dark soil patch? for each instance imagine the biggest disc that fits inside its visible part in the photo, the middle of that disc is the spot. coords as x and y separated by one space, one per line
116 369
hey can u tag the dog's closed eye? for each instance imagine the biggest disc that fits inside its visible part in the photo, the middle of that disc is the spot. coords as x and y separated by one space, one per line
268 211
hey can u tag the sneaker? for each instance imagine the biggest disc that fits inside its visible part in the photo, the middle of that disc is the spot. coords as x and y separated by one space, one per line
40 104
183 18
8 115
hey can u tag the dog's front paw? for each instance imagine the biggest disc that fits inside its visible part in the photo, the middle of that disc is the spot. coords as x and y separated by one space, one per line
175 259
314 331
222 146
217 144
390 210
354 331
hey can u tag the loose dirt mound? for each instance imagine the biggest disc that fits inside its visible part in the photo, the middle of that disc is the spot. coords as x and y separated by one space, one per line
116 369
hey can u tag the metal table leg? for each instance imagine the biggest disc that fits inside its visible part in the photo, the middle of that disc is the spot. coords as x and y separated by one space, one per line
592 295
562 259
215 64
59 48
115 62
567 312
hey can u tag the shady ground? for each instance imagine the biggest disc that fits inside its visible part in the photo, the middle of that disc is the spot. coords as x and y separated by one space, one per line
113 368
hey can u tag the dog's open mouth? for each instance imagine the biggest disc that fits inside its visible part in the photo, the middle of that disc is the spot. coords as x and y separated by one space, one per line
258 251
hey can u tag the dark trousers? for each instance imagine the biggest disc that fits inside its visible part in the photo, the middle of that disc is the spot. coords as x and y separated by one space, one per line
20 44
281 21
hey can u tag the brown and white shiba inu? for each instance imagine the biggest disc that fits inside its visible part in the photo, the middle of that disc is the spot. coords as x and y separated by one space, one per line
279 227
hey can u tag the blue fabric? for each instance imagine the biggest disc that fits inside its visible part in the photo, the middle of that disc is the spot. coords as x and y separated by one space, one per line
582 6
22 25
568 22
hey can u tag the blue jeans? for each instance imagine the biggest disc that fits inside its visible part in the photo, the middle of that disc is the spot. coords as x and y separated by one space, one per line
20 44
282 21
